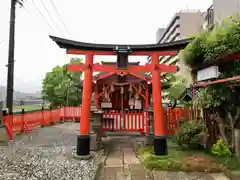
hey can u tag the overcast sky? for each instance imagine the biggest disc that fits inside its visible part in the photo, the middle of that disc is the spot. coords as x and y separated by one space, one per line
97 21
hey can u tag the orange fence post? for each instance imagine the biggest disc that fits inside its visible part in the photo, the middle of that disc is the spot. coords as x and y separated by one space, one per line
7 122
43 122
62 115
50 118
24 123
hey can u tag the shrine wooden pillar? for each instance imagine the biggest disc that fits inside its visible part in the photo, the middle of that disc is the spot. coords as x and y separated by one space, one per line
146 104
96 97
83 139
160 139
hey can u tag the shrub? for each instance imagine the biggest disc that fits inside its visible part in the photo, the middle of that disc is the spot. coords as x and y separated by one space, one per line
153 162
221 149
190 134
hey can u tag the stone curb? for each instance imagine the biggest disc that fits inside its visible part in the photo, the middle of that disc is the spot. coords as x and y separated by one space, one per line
100 167
219 176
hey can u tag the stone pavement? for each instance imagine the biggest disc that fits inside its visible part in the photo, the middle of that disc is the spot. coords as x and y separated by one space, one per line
122 164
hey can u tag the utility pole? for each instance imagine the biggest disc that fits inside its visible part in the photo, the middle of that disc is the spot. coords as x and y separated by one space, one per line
10 77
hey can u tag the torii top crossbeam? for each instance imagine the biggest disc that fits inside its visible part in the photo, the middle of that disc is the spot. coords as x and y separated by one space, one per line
76 47
122 52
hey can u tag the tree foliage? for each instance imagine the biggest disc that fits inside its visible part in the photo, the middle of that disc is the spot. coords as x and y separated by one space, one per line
190 134
61 87
210 45
175 86
212 96
221 100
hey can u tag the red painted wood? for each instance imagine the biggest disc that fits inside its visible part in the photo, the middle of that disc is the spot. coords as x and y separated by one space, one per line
131 69
111 53
201 84
76 67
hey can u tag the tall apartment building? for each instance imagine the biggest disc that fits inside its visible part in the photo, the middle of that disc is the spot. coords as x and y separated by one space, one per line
187 23
183 24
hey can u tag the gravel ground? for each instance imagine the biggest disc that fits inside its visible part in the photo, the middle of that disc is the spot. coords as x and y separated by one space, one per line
46 154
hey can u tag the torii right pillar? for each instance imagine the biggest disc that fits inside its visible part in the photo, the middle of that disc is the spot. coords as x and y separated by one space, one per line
160 136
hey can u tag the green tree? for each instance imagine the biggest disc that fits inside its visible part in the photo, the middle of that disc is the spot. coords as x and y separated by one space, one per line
61 87
175 85
220 100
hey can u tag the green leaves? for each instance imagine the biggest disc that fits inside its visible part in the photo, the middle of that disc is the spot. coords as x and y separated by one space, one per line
210 45
61 87
213 96
221 149
177 87
190 134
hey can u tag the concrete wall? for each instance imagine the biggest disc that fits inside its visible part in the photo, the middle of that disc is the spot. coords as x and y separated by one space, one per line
184 71
225 8
159 34
190 24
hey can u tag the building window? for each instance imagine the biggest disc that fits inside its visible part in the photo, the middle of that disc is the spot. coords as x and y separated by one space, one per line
174 22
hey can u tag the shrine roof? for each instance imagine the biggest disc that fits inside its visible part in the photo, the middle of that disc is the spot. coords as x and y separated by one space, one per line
70 44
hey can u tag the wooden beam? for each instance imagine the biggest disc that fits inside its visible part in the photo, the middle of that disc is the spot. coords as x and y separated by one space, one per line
131 69
134 68
112 53
110 68
76 67
140 76
167 68
202 84
105 75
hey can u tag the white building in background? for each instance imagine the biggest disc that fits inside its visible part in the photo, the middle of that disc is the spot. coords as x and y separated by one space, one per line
183 24
219 10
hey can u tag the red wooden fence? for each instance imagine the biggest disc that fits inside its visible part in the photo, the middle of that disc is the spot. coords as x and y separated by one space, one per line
130 121
173 116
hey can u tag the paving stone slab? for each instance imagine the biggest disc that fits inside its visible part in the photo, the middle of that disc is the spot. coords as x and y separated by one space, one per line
114 159
198 176
129 156
220 176
138 172
111 173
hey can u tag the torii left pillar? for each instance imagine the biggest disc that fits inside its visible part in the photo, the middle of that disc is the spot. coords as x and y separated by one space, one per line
83 139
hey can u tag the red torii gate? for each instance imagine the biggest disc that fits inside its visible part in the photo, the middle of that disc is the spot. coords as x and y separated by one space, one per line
155 50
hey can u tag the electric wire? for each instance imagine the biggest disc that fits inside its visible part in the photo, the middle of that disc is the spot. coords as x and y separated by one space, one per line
65 27
49 13
42 16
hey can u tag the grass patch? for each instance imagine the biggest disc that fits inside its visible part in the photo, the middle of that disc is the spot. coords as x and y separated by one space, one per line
186 160
28 107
